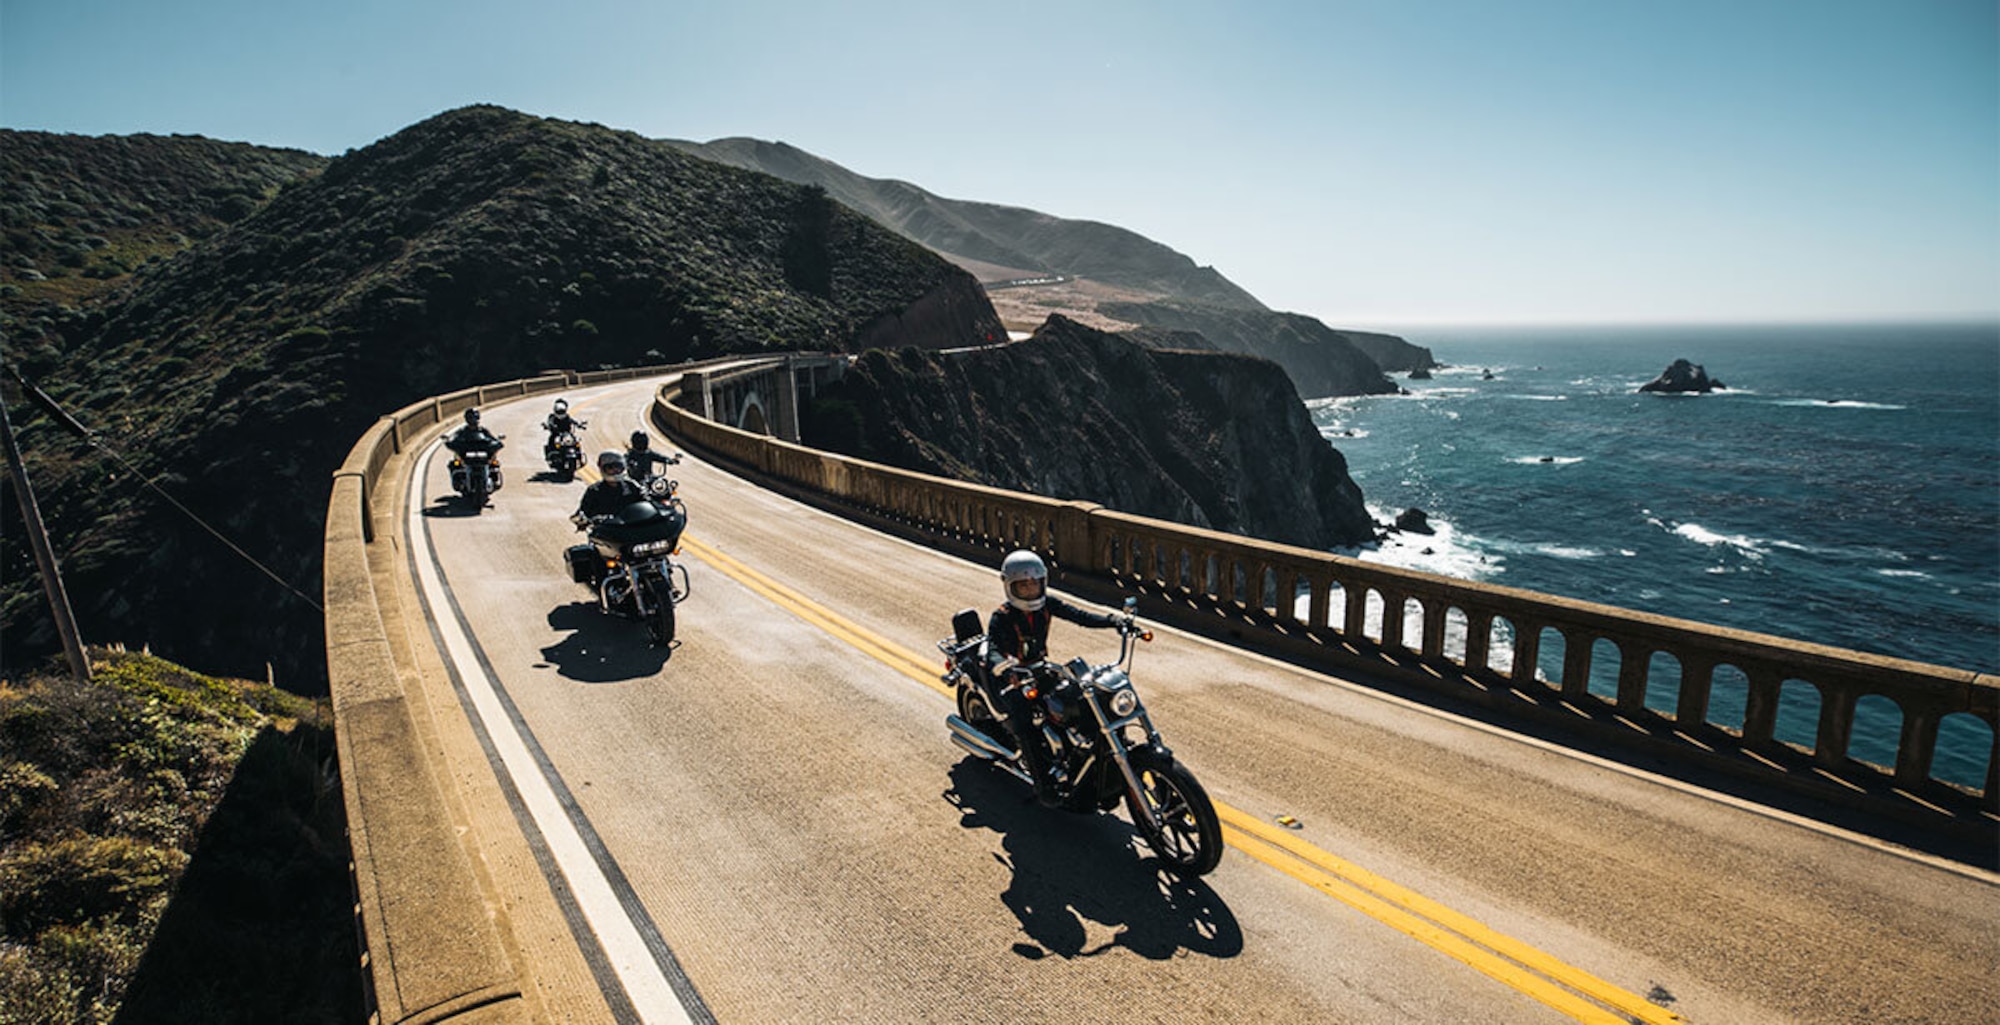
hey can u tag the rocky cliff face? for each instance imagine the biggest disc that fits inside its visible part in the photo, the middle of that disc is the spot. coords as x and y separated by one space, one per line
1210 439
1320 360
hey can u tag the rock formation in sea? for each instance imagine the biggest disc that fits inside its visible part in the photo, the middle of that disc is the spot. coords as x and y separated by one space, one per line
1683 376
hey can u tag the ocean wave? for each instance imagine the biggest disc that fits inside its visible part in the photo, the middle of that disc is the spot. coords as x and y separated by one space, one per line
1335 433
1539 460
1539 398
1442 393
1754 547
1836 404
1448 552
1910 574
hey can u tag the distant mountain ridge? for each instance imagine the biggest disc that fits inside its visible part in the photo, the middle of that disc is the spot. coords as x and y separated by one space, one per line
987 232
1155 286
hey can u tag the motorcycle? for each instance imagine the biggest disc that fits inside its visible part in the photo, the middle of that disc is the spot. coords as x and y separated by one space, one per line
628 562
564 452
475 474
1097 733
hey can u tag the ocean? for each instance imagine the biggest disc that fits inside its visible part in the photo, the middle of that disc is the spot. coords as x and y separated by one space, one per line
1844 489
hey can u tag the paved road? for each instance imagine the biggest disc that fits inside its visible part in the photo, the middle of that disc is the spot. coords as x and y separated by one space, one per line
767 823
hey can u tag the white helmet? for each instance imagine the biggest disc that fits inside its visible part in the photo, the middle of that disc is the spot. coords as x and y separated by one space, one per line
1025 579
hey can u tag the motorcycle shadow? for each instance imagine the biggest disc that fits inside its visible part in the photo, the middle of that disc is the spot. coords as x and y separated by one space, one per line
550 477
1073 869
601 648
452 505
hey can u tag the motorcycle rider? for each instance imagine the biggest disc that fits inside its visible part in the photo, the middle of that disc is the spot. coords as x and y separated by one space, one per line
1019 629
640 457
559 423
609 495
473 436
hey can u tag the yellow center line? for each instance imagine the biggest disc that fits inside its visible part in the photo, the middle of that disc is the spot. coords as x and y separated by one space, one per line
1532 972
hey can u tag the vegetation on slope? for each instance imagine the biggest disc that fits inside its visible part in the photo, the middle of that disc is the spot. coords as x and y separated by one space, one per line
173 845
479 245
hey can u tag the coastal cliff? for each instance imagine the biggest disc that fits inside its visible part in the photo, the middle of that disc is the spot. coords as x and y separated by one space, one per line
1210 439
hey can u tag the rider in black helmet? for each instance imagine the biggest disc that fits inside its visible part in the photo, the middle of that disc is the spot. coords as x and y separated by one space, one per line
1019 630
472 436
640 457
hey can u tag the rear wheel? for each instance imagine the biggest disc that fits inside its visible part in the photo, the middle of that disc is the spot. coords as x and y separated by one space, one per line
972 707
1189 837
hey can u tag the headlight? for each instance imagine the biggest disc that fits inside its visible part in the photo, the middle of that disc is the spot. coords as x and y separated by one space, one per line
1124 703
653 548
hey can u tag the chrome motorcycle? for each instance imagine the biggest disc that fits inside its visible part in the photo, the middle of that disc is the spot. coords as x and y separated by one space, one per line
629 562
1098 735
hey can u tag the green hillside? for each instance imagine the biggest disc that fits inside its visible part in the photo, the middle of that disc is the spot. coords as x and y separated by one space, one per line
479 245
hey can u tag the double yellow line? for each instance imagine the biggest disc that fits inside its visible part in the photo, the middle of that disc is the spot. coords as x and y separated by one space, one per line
1563 987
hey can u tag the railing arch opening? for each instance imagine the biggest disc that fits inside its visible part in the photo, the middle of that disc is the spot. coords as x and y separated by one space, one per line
1664 674
1458 637
1372 622
1413 624
1552 652
1267 592
1798 714
1728 698
1960 734
1606 662
1500 645
1878 723
1336 607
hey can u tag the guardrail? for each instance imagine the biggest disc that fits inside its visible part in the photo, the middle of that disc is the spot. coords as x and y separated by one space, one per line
430 949
1629 679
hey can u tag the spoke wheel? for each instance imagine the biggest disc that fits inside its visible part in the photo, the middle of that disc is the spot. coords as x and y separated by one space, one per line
1189 838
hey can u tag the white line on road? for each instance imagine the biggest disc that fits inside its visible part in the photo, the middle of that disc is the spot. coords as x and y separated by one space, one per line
645 984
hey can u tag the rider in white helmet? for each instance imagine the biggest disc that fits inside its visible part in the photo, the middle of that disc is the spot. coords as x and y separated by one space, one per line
1019 629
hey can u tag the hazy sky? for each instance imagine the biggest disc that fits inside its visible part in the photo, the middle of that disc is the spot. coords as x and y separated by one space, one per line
1388 163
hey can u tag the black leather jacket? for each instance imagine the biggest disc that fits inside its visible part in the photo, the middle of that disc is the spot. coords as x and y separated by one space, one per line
1025 635
473 437
609 495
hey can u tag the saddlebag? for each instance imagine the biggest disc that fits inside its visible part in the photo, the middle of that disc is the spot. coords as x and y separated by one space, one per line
583 563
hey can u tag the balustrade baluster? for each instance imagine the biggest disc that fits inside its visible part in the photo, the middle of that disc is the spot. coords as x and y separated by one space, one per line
1527 654
1634 665
1697 679
1760 706
1576 665
1917 746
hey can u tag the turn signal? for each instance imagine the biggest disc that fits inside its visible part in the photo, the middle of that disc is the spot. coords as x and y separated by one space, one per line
1147 636
1031 692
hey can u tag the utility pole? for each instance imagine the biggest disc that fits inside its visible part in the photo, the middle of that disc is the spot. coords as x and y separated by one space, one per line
45 556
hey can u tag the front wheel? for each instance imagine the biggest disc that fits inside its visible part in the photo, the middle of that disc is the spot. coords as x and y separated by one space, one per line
660 625
1189 838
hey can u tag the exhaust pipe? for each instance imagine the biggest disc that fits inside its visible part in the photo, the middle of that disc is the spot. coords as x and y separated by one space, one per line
966 736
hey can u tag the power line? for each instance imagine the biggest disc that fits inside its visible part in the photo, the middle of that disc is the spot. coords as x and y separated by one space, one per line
69 423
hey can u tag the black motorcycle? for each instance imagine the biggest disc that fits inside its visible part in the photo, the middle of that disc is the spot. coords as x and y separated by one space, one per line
564 452
629 563
475 474
1097 734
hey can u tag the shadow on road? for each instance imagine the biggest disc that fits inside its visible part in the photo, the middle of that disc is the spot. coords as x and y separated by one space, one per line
452 505
551 477
601 648
1074 869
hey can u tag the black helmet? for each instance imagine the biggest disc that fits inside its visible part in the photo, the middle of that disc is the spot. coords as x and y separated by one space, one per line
639 440
472 418
611 463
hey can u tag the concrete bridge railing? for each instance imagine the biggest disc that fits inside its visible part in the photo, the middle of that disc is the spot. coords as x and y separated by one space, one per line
1631 679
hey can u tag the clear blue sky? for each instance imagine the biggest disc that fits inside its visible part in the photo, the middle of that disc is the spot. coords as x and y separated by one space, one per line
1373 162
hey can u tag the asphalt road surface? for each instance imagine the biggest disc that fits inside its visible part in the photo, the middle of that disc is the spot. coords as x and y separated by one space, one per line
767 823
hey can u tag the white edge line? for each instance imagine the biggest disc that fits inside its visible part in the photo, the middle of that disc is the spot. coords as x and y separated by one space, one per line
647 988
